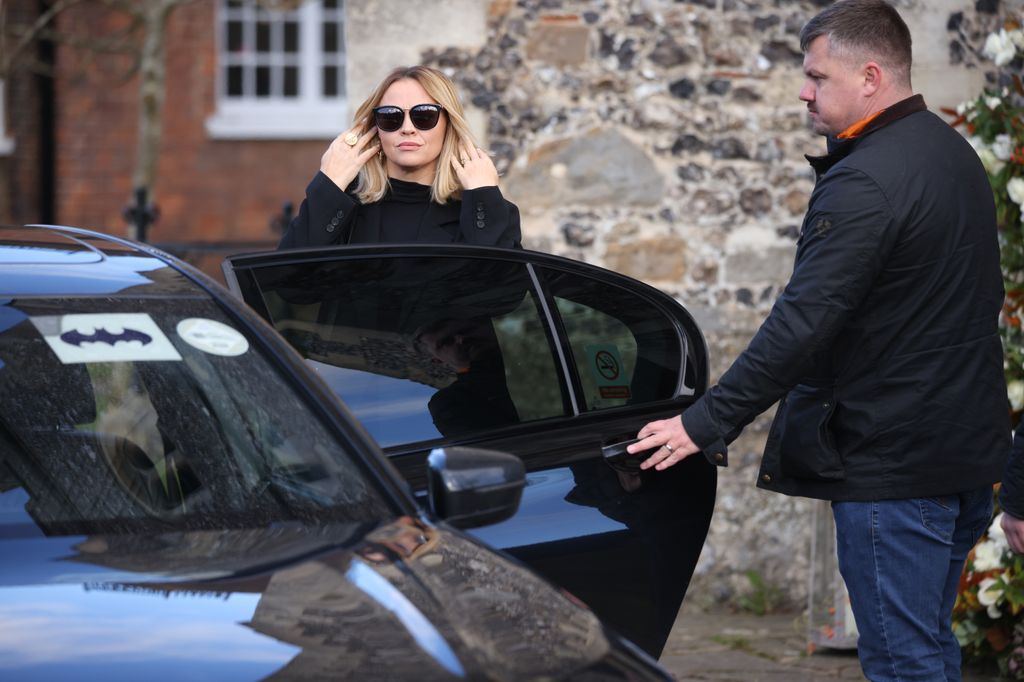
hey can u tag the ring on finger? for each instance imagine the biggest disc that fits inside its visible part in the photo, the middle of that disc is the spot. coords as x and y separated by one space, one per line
668 447
351 139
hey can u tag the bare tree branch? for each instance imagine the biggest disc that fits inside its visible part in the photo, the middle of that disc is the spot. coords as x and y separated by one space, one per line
7 56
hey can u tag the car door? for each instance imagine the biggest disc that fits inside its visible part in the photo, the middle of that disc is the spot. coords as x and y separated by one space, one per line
556 361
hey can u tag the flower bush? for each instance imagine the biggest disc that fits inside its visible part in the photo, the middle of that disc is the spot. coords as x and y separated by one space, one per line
987 617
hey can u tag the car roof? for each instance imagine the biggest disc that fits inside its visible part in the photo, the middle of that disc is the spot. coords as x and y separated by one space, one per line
48 260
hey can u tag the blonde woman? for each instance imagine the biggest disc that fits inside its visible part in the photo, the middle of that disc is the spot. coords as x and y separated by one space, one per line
408 170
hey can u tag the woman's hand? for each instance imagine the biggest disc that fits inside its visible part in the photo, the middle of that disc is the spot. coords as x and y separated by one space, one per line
475 169
342 161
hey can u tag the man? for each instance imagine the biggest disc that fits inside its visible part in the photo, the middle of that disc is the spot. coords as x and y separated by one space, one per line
883 348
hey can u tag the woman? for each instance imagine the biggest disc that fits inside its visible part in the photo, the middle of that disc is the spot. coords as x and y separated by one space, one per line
407 171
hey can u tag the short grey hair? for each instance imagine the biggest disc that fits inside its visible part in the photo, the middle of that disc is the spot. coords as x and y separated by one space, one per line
871 28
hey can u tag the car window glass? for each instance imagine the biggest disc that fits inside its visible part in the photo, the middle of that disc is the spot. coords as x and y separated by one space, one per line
625 349
420 348
123 414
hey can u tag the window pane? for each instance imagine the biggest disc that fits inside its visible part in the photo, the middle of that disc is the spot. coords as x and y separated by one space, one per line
330 37
234 37
291 36
330 81
262 36
235 81
626 351
291 81
415 347
191 441
262 81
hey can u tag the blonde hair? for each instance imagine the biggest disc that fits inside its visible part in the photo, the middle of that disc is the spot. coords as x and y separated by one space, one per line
373 179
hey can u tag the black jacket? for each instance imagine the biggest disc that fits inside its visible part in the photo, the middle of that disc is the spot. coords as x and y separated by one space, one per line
884 341
328 215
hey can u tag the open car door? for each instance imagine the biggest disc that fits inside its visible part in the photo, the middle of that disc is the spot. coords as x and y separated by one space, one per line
555 361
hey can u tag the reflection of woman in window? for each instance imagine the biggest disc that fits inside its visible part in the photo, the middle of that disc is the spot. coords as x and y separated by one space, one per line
409 170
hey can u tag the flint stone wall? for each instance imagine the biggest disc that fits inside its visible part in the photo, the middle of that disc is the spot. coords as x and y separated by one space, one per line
665 140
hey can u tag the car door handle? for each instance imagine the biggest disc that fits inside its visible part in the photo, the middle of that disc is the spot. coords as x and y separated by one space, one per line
616 451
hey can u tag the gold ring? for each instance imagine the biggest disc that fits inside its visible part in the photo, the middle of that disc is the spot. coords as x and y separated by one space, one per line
351 139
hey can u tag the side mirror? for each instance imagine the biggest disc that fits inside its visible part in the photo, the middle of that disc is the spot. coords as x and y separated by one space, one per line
470 487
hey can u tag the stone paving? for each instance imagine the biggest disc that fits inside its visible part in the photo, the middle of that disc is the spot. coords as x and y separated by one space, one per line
722 646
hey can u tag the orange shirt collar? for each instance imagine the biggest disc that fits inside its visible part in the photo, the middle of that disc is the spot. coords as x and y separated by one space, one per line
858 127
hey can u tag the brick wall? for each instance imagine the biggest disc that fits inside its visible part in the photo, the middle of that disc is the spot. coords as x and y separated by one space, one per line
20 171
207 190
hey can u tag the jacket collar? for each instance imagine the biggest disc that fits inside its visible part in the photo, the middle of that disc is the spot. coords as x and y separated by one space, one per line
840 149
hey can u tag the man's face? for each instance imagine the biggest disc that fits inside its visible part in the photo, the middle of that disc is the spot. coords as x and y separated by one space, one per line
832 89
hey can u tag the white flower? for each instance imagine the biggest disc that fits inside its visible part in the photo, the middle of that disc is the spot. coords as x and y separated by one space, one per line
1002 147
996 534
989 594
988 158
1000 48
987 556
964 107
992 102
1015 392
1016 36
1015 188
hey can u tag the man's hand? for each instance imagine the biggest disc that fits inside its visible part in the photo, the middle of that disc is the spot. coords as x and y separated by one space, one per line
671 440
1014 530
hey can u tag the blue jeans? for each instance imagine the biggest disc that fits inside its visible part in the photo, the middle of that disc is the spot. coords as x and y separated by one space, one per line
901 561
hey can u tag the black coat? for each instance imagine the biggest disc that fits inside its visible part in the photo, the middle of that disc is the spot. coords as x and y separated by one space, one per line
884 341
328 215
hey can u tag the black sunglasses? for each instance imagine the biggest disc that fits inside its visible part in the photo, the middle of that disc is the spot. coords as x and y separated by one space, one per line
423 117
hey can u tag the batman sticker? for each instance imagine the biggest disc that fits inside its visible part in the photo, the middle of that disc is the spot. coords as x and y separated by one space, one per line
105 337
101 335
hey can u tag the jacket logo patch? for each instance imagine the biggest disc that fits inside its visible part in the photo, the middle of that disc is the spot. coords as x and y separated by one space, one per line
822 226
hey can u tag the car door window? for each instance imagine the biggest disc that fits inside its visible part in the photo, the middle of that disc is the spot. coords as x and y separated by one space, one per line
626 350
420 348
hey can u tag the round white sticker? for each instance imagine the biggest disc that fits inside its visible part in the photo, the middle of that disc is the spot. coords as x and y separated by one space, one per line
212 337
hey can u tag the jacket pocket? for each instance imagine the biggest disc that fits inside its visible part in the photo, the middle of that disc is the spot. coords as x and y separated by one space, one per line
807 446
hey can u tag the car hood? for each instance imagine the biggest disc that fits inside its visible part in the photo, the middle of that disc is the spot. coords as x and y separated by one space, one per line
406 600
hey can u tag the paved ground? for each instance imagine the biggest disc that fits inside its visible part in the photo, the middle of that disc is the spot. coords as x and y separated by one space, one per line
721 646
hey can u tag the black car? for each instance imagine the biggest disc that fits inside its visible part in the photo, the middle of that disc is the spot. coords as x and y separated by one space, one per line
181 497
555 361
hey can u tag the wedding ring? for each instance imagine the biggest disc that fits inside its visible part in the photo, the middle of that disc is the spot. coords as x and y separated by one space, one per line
351 139
668 447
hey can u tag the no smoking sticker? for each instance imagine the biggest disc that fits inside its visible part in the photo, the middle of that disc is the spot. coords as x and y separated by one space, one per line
606 367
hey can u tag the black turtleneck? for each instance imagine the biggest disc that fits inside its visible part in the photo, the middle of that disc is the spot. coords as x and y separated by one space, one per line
402 211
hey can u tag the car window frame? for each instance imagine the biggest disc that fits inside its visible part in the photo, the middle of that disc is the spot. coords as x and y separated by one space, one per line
238 273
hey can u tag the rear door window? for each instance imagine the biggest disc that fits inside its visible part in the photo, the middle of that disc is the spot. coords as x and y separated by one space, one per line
626 349
421 348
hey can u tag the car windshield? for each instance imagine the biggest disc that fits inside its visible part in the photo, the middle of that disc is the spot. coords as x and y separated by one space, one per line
153 414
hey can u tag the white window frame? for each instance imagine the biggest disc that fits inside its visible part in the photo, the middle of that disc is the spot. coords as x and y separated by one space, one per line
6 143
310 115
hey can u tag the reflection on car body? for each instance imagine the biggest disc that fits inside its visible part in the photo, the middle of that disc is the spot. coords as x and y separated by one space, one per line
182 498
